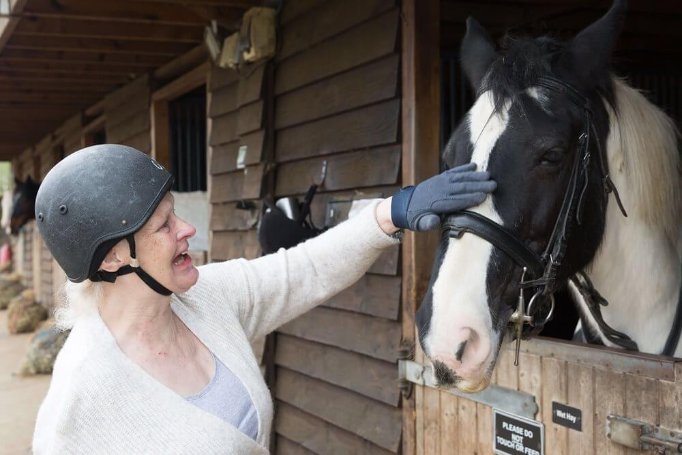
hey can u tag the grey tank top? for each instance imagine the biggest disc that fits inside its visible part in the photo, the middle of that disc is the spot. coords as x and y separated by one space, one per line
226 397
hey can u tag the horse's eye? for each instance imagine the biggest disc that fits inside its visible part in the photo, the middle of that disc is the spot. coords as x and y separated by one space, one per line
552 157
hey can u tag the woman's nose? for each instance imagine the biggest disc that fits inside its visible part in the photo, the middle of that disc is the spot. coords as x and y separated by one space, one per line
185 229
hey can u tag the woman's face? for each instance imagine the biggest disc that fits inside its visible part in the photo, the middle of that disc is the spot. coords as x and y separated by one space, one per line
162 245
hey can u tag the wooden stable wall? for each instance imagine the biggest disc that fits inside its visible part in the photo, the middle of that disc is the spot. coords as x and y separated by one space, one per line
598 381
236 112
127 115
337 101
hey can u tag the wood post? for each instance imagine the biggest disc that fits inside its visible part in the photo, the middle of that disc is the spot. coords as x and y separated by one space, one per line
420 159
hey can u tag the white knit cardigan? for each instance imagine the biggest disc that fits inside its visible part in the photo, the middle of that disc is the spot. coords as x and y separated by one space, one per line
100 401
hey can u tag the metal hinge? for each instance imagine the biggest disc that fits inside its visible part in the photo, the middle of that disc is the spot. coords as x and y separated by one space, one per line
406 352
643 436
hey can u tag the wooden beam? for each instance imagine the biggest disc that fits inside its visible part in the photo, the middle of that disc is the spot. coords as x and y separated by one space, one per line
68 67
55 87
111 30
160 132
82 56
48 98
97 44
8 110
96 109
115 11
243 4
420 142
176 67
193 79
64 76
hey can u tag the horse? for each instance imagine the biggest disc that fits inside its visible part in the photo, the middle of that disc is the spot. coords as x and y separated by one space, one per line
23 204
589 196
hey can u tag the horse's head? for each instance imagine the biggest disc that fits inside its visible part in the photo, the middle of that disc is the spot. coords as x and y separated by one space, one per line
23 203
539 140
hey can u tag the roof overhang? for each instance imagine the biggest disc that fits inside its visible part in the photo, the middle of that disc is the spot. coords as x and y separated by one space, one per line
58 57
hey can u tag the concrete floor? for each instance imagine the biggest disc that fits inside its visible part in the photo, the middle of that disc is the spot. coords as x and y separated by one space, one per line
19 397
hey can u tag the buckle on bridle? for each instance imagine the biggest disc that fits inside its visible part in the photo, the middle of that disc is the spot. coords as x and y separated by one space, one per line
524 315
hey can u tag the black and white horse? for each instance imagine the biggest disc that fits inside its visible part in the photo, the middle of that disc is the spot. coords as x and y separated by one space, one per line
559 133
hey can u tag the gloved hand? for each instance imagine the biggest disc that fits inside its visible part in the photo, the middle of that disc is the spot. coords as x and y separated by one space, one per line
419 208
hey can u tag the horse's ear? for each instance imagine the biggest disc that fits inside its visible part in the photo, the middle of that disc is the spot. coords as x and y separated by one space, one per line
477 52
590 51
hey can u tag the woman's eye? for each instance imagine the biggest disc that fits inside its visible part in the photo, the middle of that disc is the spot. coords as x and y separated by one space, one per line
552 157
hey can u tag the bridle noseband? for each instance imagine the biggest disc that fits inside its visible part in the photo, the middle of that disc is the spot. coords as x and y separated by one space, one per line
529 319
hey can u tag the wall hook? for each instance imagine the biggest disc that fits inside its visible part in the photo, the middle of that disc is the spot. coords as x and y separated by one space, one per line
323 174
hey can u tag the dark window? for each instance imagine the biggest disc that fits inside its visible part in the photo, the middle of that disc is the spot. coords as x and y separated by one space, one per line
456 95
95 137
187 154
99 137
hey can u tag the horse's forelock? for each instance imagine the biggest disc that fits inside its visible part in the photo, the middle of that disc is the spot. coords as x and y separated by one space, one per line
524 60
521 63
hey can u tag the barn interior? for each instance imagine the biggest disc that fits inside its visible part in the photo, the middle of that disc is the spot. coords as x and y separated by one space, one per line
648 53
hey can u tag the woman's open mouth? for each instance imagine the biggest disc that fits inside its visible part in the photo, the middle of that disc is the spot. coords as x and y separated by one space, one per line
182 260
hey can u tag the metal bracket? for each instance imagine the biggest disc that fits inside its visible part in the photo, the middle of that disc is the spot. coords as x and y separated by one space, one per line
512 401
406 352
643 436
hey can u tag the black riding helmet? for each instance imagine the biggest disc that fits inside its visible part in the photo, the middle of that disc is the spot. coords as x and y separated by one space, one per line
94 198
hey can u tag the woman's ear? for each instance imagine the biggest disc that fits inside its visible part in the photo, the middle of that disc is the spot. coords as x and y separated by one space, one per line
116 258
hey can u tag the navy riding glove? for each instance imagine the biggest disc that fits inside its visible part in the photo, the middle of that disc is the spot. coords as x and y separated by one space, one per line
420 207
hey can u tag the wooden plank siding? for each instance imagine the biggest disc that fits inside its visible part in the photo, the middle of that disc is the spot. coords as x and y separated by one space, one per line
337 107
127 115
237 120
600 382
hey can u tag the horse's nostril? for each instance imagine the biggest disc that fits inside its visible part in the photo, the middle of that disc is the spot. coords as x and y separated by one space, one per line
444 376
460 350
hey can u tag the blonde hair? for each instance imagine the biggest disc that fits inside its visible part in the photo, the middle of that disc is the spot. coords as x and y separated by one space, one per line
77 300
642 144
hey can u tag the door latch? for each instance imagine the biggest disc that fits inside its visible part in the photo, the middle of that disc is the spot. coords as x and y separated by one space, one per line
643 436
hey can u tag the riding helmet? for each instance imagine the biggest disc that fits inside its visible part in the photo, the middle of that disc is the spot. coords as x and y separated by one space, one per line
92 199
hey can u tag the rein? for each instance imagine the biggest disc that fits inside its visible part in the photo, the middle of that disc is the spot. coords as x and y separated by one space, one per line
528 320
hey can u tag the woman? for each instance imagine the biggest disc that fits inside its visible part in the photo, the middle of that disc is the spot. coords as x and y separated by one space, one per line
159 357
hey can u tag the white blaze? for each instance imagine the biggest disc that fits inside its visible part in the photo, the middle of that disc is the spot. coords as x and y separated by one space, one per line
460 301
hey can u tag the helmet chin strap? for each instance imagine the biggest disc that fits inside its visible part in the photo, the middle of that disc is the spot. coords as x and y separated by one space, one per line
110 277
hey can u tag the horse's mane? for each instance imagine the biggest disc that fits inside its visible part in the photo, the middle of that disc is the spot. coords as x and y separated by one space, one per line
643 144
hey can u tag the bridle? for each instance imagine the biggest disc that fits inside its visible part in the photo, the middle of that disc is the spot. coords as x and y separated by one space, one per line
529 319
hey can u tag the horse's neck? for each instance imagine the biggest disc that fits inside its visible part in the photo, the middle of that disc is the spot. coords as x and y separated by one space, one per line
638 266
637 269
